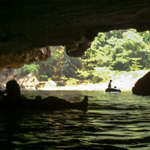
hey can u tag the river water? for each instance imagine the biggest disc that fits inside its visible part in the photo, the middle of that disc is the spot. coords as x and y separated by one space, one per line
113 121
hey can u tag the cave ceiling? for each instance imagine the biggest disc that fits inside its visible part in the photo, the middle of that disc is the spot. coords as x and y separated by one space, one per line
28 27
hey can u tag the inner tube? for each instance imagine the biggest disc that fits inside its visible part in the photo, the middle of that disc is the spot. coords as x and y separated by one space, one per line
112 90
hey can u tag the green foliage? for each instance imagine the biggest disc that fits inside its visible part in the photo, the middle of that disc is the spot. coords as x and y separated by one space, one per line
135 64
116 48
64 78
95 76
26 69
72 81
60 64
43 77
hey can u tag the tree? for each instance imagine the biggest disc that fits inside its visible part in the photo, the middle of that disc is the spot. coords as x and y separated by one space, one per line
26 69
115 48
60 64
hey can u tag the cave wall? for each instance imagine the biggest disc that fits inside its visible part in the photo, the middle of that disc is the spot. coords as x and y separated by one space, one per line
28 25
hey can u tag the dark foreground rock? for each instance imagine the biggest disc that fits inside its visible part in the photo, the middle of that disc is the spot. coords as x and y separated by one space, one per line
142 86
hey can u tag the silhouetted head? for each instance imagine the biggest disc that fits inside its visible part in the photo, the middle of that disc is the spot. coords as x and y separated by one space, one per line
110 80
12 87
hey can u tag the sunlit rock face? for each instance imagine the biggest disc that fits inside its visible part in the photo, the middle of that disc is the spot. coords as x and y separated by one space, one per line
28 25
142 86
18 59
28 82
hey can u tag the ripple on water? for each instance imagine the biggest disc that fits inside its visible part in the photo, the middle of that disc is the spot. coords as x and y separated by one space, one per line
112 122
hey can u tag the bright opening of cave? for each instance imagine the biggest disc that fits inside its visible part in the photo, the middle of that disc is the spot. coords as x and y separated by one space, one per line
121 55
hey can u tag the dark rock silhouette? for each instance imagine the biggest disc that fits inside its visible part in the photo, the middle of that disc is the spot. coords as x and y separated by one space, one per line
142 86
15 101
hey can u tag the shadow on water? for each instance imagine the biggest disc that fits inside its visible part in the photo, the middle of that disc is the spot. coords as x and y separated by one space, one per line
112 122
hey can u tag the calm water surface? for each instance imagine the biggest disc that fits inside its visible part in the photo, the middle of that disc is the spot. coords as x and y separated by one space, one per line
113 121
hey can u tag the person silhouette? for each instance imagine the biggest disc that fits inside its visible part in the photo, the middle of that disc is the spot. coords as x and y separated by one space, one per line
109 84
14 99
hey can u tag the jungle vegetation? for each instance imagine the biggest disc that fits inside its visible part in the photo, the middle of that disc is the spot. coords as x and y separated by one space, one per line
111 52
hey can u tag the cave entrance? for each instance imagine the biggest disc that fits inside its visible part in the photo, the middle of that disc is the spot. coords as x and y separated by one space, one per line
121 55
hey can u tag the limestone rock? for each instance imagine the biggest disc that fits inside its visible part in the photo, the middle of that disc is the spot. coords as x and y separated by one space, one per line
28 82
49 84
142 86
